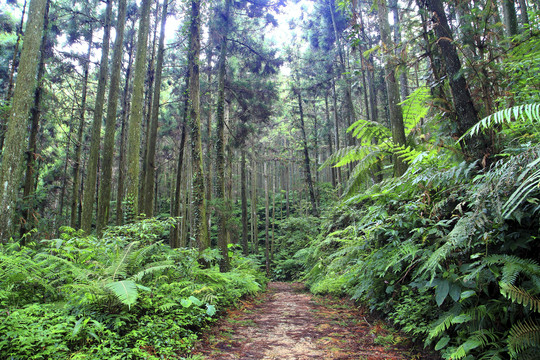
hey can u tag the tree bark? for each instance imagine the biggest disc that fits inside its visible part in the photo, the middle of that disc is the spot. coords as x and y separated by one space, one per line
254 215
29 181
220 144
89 193
135 119
266 220
392 88
123 139
9 91
463 103
110 125
200 230
307 168
12 165
244 202
151 146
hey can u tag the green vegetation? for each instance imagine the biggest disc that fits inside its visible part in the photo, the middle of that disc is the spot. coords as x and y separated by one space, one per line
124 296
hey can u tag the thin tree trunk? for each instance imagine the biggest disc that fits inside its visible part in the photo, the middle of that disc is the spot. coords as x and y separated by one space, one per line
200 232
92 167
9 91
28 206
254 216
220 143
110 125
465 110
12 167
75 194
392 88
175 233
309 180
135 119
66 163
329 129
266 220
151 146
147 116
336 135
244 202
123 140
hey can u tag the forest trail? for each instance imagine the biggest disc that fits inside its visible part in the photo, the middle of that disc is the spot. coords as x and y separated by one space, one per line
287 323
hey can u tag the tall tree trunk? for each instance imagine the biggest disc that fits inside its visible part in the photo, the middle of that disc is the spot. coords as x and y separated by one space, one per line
336 135
266 220
463 103
510 17
135 119
75 193
523 12
66 163
89 193
307 168
329 129
28 206
343 69
151 146
208 174
244 202
254 215
175 232
147 116
392 89
220 143
110 124
200 232
12 166
123 140
9 91
403 78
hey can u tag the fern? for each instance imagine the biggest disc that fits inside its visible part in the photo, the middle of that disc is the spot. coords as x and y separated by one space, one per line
521 297
523 335
529 183
125 291
521 113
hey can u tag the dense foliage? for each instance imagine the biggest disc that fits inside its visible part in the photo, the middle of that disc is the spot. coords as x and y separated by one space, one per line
124 296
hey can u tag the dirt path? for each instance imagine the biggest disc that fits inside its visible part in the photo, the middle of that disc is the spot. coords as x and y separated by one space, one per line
286 323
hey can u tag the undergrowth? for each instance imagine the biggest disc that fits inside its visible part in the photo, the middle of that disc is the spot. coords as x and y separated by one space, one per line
124 296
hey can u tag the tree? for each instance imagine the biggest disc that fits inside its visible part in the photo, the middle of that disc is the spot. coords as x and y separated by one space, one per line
135 119
466 114
12 166
108 140
200 230
89 193
392 88
152 137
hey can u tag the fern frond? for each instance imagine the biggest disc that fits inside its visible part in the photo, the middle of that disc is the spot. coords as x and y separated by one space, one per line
521 297
523 335
523 113
125 291
529 183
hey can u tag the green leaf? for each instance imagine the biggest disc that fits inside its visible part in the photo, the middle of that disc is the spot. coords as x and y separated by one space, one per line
125 291
195 300
210 310
186 303
455 292
441 292
442 343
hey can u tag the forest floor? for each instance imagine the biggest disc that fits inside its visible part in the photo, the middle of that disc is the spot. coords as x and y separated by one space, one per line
287 323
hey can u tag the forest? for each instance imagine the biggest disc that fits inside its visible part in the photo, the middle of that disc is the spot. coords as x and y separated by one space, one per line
162 160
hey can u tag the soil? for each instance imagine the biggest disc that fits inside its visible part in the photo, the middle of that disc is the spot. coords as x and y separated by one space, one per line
287 323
